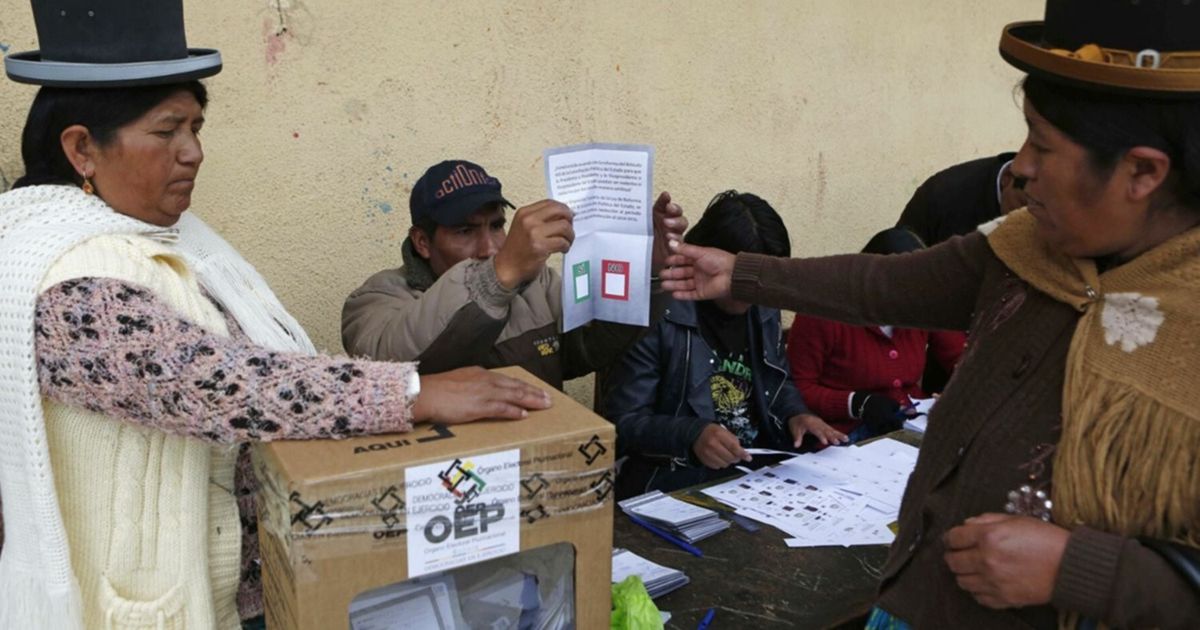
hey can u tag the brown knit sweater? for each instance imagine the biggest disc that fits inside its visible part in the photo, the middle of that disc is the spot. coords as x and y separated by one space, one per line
993 430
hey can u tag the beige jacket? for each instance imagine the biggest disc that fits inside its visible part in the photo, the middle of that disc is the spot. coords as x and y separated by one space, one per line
466 317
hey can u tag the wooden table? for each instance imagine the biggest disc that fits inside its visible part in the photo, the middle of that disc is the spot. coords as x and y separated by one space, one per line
755 581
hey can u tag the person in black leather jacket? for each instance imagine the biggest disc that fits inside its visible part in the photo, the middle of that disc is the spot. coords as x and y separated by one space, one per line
712 378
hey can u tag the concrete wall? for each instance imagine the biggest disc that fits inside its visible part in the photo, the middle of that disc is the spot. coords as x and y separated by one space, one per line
328 110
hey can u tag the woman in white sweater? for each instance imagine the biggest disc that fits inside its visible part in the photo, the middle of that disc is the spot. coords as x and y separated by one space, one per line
140 355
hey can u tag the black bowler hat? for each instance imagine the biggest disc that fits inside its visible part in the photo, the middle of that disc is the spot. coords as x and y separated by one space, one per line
1139 47
453 190
110 43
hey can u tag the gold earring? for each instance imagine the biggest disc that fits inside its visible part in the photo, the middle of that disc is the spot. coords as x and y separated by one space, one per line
88 189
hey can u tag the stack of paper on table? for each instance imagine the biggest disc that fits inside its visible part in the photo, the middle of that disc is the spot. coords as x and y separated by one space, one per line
659 580
690 522
838 496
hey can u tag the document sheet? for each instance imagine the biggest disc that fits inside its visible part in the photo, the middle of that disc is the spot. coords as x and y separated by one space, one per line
838 496
606 274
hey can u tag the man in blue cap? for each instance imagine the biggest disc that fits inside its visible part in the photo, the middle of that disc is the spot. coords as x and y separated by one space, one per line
472 293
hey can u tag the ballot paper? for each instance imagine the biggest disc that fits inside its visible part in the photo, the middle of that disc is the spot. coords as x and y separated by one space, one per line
837 496
606 274
427 603
506 599
659 580
918 424
874 535
769 451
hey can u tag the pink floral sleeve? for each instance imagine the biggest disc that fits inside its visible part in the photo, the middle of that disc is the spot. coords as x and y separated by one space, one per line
117 349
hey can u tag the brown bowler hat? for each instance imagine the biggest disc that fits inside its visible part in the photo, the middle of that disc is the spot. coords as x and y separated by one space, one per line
1139 47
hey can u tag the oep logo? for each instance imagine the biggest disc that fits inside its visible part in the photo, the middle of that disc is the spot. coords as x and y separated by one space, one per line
461 480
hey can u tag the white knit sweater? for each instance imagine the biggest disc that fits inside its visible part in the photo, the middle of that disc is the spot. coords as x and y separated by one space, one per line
109 525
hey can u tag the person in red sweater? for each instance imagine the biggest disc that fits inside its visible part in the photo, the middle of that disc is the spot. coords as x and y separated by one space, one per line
860 378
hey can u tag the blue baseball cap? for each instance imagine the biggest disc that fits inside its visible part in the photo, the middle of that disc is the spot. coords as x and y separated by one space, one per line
453 190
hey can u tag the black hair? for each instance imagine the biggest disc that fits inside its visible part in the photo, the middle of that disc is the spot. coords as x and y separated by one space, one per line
1108 125
895 240
741 222
103 111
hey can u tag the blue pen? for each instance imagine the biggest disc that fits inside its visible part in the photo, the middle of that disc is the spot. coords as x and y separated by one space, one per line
708 617
664 535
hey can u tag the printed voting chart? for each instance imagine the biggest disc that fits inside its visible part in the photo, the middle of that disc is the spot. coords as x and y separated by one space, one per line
606 275
838 496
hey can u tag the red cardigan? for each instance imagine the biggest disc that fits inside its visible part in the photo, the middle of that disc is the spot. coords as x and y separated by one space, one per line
831 360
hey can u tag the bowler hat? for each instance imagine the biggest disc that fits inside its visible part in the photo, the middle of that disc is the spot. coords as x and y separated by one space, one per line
1139 47
110 43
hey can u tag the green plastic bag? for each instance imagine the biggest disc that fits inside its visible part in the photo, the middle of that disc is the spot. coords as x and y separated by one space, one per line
632 607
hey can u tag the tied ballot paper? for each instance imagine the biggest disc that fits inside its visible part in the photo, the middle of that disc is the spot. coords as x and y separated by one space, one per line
691 523
659 580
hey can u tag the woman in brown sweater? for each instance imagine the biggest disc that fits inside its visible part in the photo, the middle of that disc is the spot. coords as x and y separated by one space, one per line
1063 452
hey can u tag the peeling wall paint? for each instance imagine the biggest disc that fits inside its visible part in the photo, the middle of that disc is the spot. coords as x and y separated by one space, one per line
275 36
286 25
328 110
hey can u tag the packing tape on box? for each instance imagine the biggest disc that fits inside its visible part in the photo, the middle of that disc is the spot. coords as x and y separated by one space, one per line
382 507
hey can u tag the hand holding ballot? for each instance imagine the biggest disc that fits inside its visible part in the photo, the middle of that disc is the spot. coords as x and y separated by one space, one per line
537 231
698 273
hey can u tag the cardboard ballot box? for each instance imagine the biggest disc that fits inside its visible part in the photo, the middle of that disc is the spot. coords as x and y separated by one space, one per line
443 526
